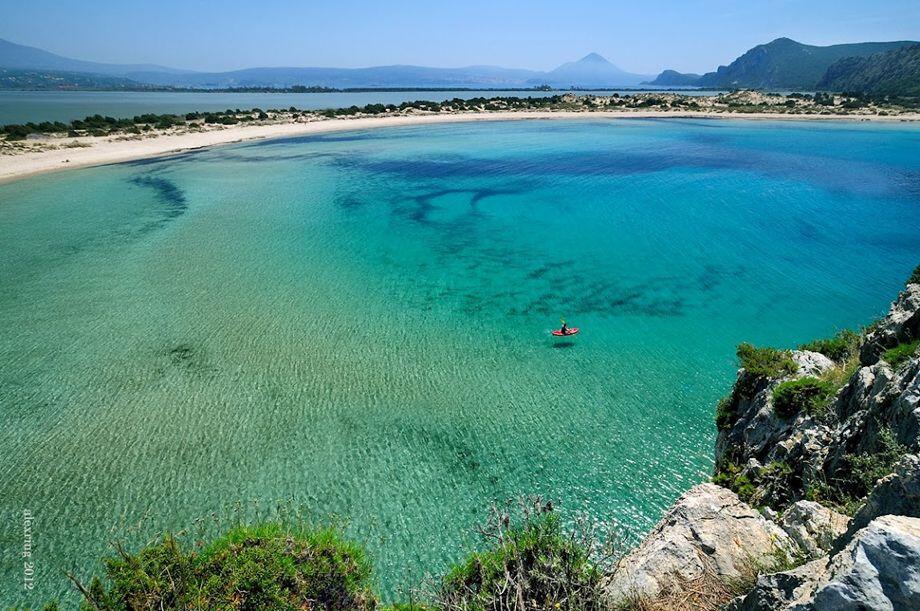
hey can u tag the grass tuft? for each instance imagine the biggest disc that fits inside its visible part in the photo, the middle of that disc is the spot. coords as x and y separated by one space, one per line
901 353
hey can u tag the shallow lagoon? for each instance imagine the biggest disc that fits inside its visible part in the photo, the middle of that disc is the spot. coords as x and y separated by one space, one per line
359 321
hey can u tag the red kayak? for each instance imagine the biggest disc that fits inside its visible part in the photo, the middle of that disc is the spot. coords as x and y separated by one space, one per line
568 332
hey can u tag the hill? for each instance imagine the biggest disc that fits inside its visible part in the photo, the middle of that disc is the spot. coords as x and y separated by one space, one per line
787 64
896 72
673 78
590 71
48 80
21 57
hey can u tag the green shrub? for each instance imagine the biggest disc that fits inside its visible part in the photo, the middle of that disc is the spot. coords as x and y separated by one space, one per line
866 469
765 362
726 413
839 348
805 394
267 566
900 353
728 475
531 559
769 485
914 277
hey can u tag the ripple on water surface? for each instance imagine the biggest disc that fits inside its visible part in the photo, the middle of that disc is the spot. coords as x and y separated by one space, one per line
360 321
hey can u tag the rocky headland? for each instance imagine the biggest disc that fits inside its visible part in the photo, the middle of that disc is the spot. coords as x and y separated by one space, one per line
815 498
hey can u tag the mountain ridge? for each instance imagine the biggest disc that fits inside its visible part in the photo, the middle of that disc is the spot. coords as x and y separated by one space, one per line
782 63
896 72
591 70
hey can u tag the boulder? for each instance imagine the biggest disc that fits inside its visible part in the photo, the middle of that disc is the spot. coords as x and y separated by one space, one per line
813 527
786 590
811 363
708 532
878 569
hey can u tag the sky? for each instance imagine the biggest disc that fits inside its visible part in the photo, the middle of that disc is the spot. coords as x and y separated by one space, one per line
641 37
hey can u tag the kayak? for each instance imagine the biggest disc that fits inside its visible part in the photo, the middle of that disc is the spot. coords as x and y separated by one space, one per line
569 331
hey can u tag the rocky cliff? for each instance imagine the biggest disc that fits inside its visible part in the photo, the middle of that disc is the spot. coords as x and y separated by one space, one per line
815 500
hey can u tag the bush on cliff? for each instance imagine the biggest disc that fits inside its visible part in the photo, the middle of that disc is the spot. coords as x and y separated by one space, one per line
807 395
868 468
840 348
532 562
849 485
765 362
726 413
914 277
900 353
729 475
268 566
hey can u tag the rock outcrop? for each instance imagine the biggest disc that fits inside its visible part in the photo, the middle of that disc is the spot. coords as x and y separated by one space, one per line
876 410
861 451
813 527
708 532
878 569
902 324
896 494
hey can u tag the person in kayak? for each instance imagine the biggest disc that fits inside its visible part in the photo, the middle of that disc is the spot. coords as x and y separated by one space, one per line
565 327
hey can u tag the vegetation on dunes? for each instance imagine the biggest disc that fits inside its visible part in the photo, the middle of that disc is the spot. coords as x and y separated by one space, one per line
152 125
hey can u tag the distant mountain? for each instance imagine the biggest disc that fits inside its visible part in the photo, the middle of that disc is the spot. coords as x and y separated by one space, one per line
21 57
381 76
673 78
48 80
787 64
896 72
592 70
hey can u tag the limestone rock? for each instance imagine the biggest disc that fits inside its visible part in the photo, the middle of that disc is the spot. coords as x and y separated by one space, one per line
879 569
898 494
709 530
813 527
786 590
811 363
901 324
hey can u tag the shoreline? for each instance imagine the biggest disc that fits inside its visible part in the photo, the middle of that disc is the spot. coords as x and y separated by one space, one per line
96 151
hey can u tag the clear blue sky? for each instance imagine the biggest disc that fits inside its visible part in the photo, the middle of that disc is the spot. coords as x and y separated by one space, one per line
643 37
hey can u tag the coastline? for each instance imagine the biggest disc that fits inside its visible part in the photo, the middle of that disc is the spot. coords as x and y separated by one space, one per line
96 151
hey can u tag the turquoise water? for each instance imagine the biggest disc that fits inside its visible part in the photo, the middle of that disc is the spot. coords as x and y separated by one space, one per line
359 322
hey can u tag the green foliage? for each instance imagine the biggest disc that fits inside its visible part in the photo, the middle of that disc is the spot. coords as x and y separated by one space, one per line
900 353
914 276
726 413
532 563
765 362
896 72
839 348
846 491
768 485
267 566
806 394
866 469
787 64
728 475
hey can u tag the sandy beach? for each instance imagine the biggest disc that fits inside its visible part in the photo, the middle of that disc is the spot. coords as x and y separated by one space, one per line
93 151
